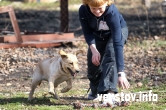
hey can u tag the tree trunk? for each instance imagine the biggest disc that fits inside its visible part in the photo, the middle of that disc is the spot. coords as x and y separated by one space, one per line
147 3
64 16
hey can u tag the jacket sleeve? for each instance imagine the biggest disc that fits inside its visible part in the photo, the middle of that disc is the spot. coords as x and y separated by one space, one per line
85 27
113 22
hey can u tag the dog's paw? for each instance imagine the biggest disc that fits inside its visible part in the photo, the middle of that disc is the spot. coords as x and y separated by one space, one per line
52 93
56 97
30 99
65 90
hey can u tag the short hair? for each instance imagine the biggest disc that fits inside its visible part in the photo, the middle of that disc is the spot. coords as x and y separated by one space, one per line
97 3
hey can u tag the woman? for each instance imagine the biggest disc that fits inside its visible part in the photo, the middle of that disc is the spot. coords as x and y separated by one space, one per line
105 31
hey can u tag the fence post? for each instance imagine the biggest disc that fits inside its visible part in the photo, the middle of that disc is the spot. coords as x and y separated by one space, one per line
64 16
14 22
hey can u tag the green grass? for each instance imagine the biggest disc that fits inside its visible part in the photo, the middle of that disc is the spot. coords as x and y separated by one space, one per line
13 100
149 45
145 44
32 6
18 100
40 6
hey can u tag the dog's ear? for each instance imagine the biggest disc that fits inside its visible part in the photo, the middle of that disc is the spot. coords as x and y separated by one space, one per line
78 52
63 54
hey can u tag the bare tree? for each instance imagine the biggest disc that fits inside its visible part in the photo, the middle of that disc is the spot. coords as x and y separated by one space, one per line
147 3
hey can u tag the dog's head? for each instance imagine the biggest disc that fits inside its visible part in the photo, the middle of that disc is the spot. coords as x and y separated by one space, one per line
70 62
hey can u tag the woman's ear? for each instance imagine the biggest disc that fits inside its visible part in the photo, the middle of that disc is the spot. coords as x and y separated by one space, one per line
109 2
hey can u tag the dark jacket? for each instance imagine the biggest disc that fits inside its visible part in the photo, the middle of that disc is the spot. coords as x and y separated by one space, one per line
115 22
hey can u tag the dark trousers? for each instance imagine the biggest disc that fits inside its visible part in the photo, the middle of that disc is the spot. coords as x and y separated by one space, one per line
104 78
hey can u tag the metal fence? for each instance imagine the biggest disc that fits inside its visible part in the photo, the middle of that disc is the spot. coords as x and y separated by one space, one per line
50 16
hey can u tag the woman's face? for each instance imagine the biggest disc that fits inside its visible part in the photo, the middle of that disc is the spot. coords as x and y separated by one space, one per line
98 11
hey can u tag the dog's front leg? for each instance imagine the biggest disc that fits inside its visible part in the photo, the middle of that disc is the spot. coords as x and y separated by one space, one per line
68 87
51 88
51 85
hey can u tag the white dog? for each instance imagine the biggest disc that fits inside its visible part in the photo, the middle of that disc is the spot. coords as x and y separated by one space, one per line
55 70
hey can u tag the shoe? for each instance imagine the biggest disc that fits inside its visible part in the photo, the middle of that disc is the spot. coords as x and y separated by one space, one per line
111 102
91 96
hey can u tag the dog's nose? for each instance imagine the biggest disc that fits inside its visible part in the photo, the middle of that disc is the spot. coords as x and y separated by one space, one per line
77 71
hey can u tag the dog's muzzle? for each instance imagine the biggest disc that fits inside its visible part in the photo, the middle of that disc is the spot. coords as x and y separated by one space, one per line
73 73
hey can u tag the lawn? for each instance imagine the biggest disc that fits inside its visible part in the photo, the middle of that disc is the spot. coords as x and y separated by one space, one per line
43 101
15 88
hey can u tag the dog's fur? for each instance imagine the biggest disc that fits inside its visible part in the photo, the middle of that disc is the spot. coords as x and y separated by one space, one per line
55 70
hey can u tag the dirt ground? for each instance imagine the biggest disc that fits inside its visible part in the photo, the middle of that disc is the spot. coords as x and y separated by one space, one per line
16 65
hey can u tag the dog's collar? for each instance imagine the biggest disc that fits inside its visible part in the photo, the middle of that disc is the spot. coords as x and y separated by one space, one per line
62 67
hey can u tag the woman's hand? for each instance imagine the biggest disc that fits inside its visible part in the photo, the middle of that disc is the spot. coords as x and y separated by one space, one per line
122 81
95 55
